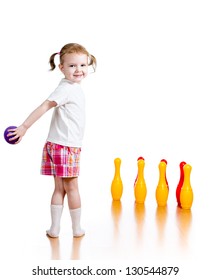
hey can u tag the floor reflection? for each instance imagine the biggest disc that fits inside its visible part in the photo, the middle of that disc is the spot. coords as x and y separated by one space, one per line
161 218
139 213
128 233
116 210
76 244
184 221
55 248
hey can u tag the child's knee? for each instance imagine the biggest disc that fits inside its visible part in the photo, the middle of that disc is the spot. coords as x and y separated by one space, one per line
70 184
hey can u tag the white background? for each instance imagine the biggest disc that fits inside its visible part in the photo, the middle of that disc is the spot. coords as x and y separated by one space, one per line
147 98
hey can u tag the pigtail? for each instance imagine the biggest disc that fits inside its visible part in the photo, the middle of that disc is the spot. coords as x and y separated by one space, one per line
92 62
51 61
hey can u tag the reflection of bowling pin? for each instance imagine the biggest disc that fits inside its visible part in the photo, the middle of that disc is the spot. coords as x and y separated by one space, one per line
162 188
117 185
186 194
140 190
180 184
165 174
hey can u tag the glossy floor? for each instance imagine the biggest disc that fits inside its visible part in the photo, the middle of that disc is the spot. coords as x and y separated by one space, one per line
121 230
116 231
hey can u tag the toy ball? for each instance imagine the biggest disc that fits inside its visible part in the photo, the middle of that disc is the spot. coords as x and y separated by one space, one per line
7 132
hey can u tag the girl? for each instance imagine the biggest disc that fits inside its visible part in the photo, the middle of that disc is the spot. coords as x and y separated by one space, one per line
61 152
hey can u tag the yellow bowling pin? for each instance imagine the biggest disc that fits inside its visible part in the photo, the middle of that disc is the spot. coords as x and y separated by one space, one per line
140 189
162 188
117 185
186 195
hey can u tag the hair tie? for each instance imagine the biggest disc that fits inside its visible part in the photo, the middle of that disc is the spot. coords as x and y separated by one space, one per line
58 53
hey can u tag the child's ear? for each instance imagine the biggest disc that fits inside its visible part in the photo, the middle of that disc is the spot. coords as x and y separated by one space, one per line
61 67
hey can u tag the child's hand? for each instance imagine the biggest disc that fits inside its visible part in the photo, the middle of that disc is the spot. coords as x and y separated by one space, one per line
17 133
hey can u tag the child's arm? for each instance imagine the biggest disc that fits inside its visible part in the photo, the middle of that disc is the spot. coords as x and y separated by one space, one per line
20 131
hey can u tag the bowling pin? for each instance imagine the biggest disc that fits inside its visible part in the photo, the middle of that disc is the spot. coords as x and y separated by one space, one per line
162 188
137 172
140 189
117 185
180 184
166 176
186 194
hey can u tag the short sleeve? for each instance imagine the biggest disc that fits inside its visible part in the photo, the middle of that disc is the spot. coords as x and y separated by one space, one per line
60 95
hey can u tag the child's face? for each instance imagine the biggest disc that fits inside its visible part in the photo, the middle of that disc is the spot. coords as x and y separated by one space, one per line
74 67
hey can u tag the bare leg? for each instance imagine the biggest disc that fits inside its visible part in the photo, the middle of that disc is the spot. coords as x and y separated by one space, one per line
59 192
74 202
72 191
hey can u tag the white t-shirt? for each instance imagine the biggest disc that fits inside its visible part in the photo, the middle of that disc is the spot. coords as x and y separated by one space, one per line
68 120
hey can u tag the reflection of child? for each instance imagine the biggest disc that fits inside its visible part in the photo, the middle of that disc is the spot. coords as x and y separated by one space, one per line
61 153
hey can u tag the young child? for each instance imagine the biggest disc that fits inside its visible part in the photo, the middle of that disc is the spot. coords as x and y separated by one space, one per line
61 152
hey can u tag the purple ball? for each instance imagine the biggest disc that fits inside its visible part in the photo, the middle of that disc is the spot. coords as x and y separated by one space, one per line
7 132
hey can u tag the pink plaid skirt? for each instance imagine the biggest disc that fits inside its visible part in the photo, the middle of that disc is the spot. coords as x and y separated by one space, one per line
60 161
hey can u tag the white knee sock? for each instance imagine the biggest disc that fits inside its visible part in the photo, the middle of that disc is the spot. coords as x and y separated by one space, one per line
56 212
75 218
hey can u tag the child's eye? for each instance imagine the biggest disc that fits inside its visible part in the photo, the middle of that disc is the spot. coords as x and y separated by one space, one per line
83 65
71 65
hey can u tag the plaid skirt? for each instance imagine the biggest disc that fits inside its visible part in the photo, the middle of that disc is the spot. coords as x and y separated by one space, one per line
60 161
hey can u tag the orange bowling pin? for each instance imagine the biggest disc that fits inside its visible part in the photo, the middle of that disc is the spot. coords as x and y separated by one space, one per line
166 167
117 185
186 195
162 188
140 189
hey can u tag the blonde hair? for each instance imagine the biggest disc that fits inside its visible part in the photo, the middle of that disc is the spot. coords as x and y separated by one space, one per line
72 48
